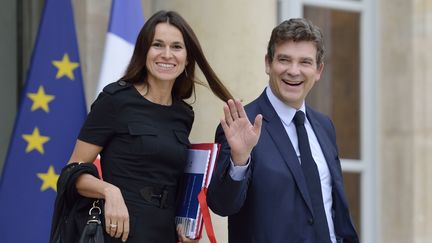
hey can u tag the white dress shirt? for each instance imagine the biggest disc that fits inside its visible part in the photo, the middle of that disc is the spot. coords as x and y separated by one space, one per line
286 114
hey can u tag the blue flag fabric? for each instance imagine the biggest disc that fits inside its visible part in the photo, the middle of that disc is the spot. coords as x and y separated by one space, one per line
126 19
51 112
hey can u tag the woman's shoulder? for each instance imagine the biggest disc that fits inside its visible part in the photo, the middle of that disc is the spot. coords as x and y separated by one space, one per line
185 105
111 94
116 87
185 110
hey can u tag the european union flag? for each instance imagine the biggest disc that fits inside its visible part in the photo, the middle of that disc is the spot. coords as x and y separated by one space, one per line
52 110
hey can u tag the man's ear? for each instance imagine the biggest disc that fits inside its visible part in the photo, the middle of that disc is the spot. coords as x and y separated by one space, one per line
267 64
320 68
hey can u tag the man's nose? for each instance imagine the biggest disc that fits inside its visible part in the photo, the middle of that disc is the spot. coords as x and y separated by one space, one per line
293 69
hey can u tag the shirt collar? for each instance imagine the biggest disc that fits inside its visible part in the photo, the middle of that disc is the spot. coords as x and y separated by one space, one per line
285 112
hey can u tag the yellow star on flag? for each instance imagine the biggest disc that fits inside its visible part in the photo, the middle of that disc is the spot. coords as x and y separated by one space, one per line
65 67
40 99
35 141
49 179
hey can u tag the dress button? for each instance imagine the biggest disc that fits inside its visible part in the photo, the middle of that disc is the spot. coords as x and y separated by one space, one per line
310 221
122 83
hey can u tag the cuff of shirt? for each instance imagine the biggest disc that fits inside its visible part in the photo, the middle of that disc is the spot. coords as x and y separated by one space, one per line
238 172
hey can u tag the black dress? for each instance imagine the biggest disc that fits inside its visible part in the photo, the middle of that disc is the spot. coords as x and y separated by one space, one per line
144 154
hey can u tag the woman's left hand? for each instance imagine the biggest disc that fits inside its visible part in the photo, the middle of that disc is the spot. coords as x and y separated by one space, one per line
182 237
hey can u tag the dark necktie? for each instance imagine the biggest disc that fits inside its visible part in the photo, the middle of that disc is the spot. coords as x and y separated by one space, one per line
310 172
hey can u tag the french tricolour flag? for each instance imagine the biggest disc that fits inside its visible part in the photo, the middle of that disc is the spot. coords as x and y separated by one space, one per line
126 20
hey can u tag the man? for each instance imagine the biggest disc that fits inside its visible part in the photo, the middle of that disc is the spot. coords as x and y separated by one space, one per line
280 179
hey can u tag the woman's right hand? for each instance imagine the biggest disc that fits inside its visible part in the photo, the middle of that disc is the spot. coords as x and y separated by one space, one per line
116 214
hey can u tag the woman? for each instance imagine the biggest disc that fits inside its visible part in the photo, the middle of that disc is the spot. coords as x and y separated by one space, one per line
140 127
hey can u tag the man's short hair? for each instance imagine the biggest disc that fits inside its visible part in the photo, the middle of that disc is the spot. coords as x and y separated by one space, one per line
296 29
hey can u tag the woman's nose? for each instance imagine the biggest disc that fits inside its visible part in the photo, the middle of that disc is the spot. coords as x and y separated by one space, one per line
167 52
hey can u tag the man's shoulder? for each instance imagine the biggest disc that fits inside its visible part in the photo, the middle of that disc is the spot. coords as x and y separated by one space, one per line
316 114
251 105
254 105
252 109
320 118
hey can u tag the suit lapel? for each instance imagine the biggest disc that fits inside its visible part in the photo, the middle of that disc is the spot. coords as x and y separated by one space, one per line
277 132
325 143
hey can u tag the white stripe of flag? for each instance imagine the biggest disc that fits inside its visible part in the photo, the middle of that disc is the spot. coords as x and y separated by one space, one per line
126 20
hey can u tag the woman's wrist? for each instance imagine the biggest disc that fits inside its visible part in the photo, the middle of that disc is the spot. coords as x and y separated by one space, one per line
109 190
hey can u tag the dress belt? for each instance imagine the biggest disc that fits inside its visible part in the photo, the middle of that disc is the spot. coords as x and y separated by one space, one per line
159 195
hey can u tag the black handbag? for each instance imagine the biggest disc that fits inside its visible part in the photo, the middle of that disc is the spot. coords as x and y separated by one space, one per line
93 231
72 220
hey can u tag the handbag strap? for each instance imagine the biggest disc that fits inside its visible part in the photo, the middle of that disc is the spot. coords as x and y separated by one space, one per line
95 211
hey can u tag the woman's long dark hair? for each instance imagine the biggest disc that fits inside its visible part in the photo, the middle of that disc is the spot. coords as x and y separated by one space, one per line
184 85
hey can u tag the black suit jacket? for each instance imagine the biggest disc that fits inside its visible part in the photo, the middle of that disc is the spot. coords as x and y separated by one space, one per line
272 203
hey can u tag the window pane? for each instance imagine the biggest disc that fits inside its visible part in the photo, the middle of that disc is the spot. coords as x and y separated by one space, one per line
352 190
337 93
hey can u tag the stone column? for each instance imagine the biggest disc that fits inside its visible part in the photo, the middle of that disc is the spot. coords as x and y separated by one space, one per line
422 121
91 24
405 126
